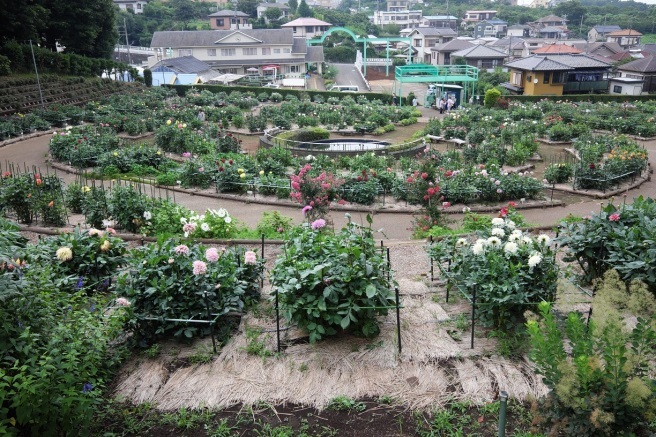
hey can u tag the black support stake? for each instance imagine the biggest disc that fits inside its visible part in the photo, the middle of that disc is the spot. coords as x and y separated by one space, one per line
473 316
277 322
211 322
398 319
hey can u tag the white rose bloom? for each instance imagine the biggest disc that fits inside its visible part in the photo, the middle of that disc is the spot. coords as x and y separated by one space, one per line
205 227
221 212
534 259
228 220
478 249
461 242
498 232
511 224
147 215
497 221
494 242
510 247
515 235
544 239
527 240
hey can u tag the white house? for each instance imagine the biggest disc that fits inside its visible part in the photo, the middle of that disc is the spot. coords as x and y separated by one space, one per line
404 18
425 38
307 27
136 6
237 51
262 7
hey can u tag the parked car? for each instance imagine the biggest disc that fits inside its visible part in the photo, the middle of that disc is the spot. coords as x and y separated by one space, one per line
272 85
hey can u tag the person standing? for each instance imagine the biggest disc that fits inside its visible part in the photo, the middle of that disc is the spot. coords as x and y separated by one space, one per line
394 99
440 105
449 104
415 102
201 116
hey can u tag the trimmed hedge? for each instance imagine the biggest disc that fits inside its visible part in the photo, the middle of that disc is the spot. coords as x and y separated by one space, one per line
583 98
182 90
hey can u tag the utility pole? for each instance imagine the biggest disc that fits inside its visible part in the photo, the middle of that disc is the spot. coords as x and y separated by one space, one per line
38 82
127 42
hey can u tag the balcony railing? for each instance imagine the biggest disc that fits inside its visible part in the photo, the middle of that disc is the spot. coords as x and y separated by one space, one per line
585 87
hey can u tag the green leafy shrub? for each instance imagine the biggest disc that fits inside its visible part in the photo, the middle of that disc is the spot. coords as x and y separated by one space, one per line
601 384
615 238
169 280
328 282
510 271
558 173
273 224
126 206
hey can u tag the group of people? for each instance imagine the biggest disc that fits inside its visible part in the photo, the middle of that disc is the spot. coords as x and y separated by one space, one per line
443 104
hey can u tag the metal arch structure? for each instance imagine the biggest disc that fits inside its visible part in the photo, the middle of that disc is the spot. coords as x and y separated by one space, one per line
364 41
438 74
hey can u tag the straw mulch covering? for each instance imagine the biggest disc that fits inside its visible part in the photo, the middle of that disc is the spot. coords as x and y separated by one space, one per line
432 369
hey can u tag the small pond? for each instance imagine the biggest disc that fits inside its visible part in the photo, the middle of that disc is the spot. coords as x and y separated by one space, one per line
343 145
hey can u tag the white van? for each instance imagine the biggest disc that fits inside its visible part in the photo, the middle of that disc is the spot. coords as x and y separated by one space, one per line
345 88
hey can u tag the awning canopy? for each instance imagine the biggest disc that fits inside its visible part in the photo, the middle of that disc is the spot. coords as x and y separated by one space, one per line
271 67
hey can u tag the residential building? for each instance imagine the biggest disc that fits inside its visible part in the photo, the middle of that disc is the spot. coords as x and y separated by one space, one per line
425 38
555 75
476 16
493 27
405 18
227 19
235 51
626 38
262 7
600 32
536 43
642 69
481 56
307 27
440 21
401 5
603 49
185 70
550 20
519 30
136 6
557 49
441 53
518 50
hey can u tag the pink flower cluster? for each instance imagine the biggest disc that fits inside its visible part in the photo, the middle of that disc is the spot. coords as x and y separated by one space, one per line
182 249
250 257
200 268
318 224
122 302
614 217
189 228
212 255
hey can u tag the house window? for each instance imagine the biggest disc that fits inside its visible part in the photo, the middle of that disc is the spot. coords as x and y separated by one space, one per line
138 5
294 68
545 78
417 43
184 52
617 89
211 52
294 29
276 51
517 78
287 50
249 51
266 51
228 52
558 77
219 22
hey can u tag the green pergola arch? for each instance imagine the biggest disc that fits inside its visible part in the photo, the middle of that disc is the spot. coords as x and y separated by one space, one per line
364 41
437 74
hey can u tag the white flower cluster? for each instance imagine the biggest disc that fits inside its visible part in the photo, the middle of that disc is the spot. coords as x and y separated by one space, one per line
189 225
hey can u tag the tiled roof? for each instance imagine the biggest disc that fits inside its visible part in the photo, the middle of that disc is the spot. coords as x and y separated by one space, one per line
644 65
479 52
299 46
550 18
591 47
551 29
282 6
625 32
228 13
314 54
306 22
436 31
184 64
607 29
453 46
556 62
440 17
208 38
557 48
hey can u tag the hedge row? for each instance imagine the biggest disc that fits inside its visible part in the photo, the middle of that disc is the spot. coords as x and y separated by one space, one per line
182 90
583 98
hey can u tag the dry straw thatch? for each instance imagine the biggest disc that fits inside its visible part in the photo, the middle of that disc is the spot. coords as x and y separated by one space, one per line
431 370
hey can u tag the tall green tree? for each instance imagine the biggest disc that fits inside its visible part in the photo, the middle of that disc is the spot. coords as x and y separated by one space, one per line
85 27
304 10
22 20
183 11
248 7
293 5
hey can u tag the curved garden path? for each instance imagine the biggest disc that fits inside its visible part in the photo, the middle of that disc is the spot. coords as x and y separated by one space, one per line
33 152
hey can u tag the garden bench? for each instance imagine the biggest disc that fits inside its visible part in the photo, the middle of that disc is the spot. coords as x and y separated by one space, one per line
435 138
457 143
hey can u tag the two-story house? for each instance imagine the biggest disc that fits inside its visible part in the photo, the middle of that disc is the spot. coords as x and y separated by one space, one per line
227 19
493 27
476 16
515 47
307 27
600 32
425 38
481 56
136 6
626 38
441 53
555 75
519 30
440 21
235 51
262 8
643 70
401 5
